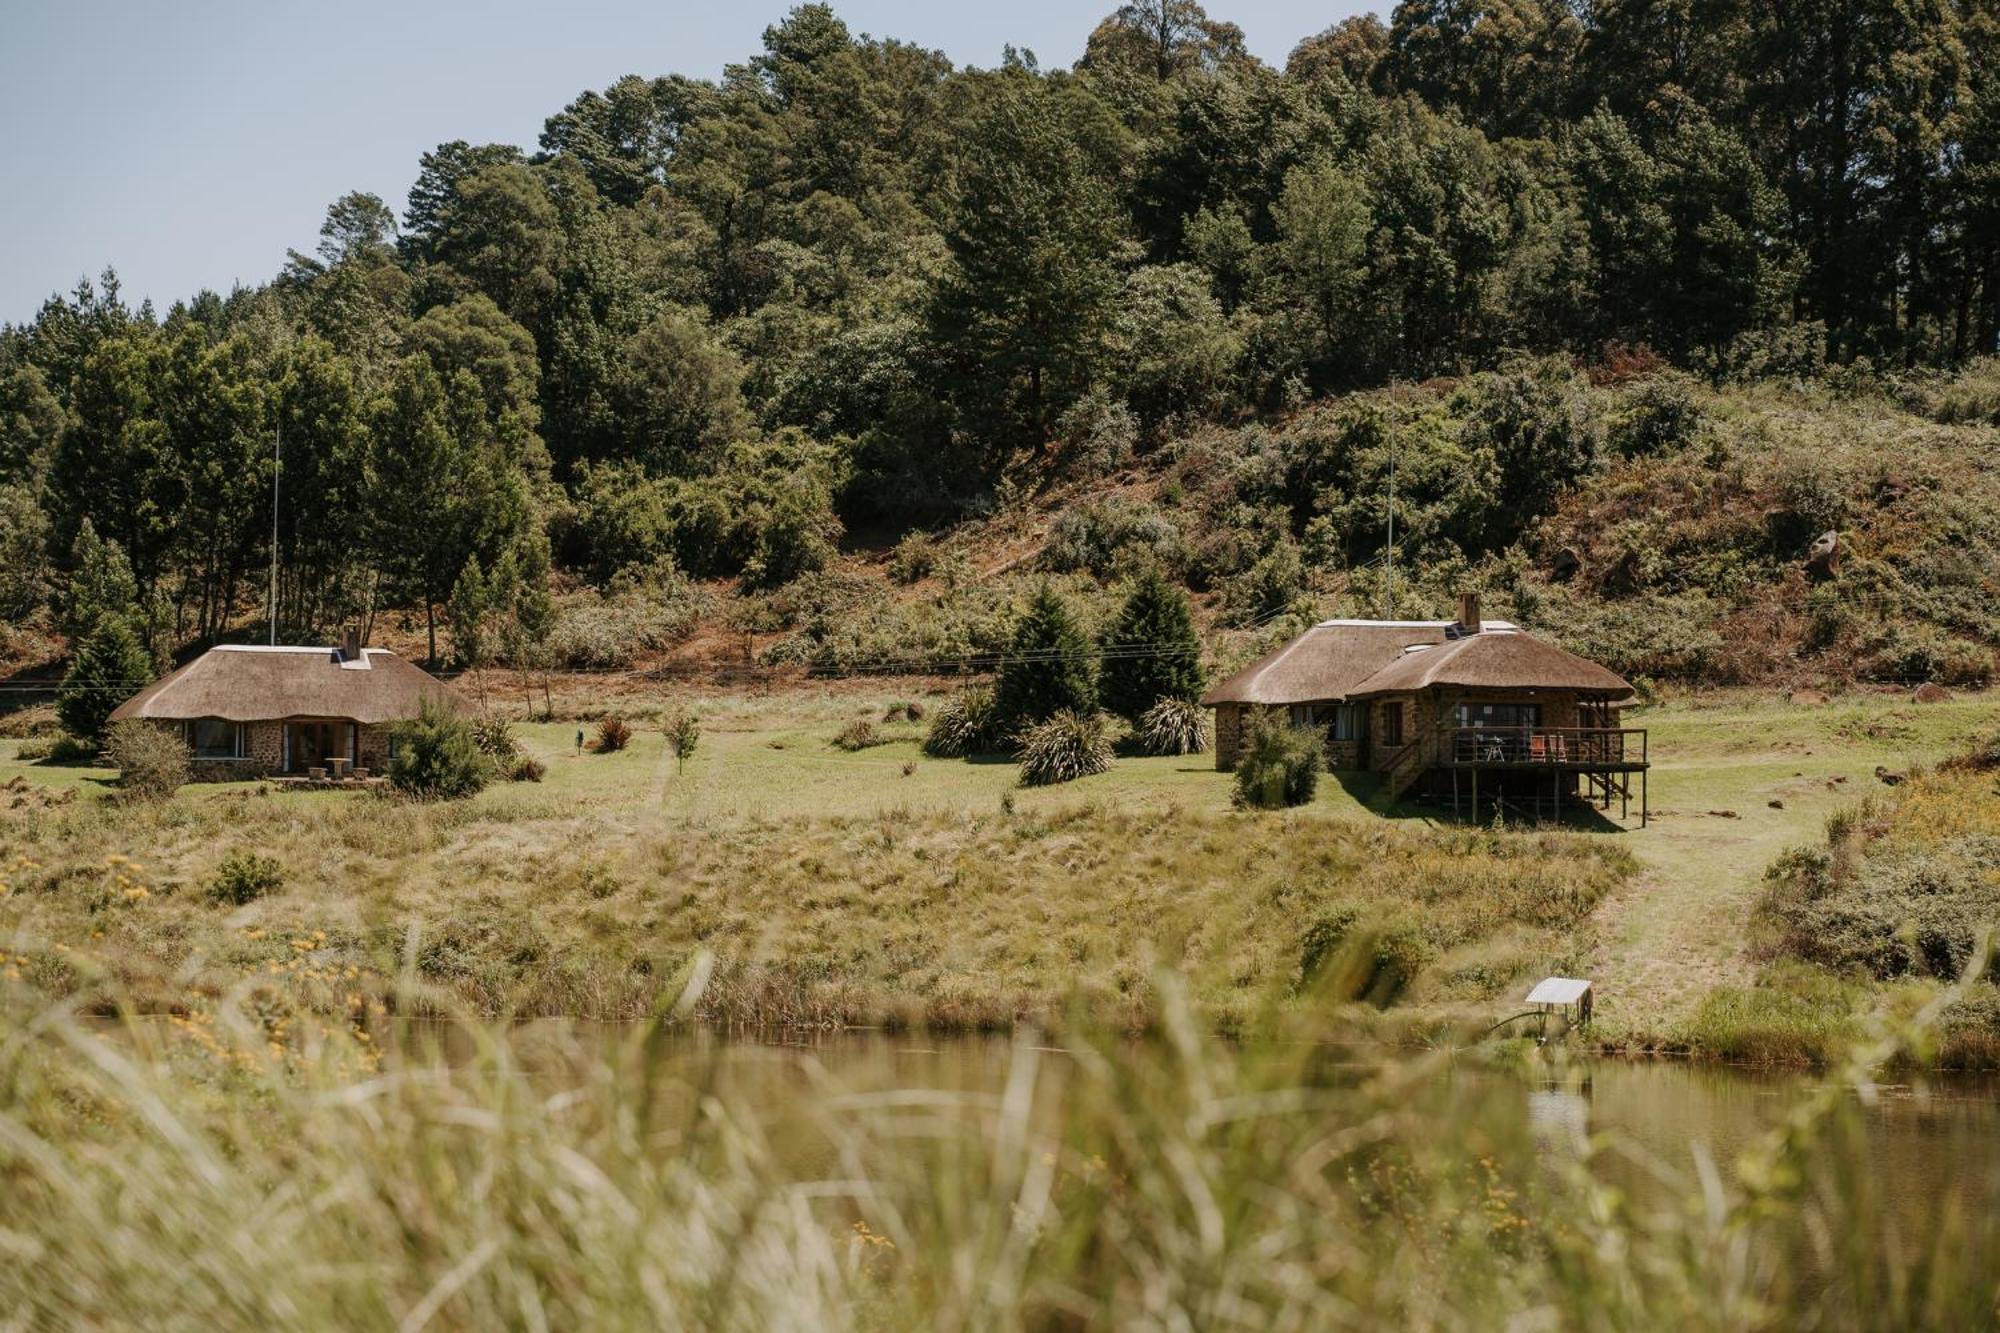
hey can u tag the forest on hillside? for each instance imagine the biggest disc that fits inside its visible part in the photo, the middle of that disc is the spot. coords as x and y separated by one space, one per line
714 329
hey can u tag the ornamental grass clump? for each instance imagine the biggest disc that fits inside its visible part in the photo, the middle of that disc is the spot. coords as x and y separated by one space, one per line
965 725
1279 767
613 733
1068 746
859 734
1174 726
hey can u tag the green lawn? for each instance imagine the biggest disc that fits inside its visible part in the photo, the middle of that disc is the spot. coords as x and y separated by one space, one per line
771 841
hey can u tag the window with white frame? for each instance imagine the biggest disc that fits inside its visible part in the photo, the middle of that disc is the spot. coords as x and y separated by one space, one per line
213 738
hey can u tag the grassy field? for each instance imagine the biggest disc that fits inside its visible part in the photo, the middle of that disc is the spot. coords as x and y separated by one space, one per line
884 886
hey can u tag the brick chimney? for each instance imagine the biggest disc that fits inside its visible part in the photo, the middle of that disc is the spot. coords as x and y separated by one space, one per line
1468 612
350 644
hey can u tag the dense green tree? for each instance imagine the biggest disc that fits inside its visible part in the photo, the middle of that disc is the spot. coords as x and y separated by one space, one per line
1317 265
447 486
441 172
31 421
1022 314
499 231
1048 667
1151 651
678 394
109 667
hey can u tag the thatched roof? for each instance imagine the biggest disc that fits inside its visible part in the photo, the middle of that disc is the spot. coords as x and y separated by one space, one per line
1329 660
249 683
1509 660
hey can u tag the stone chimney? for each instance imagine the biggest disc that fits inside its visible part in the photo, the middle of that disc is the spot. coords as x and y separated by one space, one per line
350 644
1468 612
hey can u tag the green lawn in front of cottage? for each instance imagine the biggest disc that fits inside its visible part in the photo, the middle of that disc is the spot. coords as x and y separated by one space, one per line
584 893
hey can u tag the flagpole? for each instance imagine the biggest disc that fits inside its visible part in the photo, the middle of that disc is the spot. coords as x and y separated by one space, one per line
277 462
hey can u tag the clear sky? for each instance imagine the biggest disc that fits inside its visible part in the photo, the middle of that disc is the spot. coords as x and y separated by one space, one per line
188 143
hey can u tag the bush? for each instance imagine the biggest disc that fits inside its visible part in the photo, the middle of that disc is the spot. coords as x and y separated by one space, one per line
526 768
1068 746
244 877
904 712
594 631
965 725
1661 416
683 730
152 761
1174 726
495 737
110 666
1279 766
67 749
859 734
1103 536
914 559
437 756
613 733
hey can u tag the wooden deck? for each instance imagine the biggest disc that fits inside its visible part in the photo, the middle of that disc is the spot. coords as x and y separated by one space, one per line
1605 758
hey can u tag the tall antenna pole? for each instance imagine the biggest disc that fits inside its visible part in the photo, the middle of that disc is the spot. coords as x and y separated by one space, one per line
1392 527
277 462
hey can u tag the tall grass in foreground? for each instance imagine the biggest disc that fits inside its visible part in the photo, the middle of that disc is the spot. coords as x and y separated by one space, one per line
220 1173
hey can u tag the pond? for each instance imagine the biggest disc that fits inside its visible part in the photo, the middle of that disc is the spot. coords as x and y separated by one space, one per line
1922 1142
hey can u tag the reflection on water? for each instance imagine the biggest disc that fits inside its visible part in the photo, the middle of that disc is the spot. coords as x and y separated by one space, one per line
1925 1143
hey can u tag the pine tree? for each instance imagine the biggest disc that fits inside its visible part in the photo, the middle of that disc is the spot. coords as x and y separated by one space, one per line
1151 651
1048 667
108 668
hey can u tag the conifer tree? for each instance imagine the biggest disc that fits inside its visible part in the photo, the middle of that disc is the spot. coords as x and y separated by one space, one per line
1151 651
109 667
1048 667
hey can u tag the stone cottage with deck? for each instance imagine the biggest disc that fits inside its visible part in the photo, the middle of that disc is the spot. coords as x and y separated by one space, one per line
1465 708
246 710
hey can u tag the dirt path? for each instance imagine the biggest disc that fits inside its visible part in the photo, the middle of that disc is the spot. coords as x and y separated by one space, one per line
1680 927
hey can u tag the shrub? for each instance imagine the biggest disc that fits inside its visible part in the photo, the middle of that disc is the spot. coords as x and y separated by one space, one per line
152 761
67 749
1151 652
492 734
859 734
1102 536
593 631
1279 766
1068 746
110 666
965 725
613 733
244 877
914 559
1048 668
1661 416
904 712
1174 726
437 756
526 768
683 730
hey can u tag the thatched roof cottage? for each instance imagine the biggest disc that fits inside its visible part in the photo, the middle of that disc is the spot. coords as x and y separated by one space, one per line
246 710
1442 705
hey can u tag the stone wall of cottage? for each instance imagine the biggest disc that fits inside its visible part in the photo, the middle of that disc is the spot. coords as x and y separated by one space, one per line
264 752
371 748
1228 735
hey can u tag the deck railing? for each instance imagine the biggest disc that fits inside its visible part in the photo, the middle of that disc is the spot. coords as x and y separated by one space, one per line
1574 746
